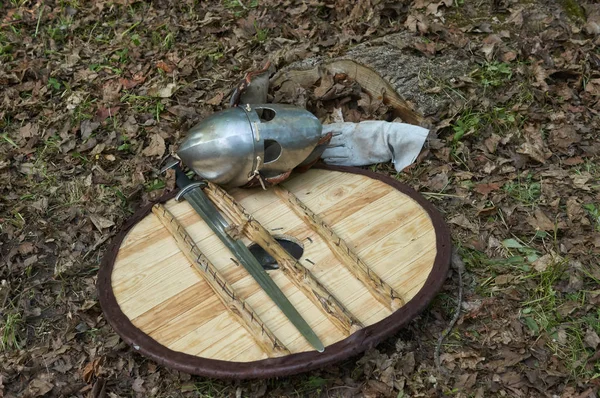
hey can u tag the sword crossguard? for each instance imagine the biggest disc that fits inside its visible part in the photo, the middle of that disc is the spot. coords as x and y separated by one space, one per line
171 163
189 187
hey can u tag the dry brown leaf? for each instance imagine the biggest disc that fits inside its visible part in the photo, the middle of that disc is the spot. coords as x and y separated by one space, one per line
438 182
101 222
131 83
540 76
535 152
542 263
417 23
165 67
540 221
103 113
564 136
593 87
504 279
164 92
535 147
156 147
580 180
39 386
26 248
433 8
428 49
466 360
98 389
592 25
29 130
465 381
485 189
408 364
492 142
376 388
326 84
421 3
574 209
509 56
516 17
131 126
575 160
137 385
110 90
591 339
87 127
462 221
216 100
182 111
91 369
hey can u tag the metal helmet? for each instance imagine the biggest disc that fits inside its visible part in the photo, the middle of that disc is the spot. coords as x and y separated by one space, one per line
238 144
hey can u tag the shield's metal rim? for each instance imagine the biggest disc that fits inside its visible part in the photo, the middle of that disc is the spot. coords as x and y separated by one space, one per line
290 364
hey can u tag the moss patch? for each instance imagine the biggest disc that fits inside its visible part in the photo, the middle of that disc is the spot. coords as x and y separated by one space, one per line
573 9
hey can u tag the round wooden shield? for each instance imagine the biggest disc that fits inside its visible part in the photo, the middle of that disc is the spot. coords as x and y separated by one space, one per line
169 306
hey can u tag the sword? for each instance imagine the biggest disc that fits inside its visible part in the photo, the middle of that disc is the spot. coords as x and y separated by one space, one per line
192 192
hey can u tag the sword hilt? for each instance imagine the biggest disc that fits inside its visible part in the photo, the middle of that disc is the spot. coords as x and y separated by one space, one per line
183 182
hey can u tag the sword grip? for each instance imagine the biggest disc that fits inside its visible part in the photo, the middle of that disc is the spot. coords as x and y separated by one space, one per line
181 179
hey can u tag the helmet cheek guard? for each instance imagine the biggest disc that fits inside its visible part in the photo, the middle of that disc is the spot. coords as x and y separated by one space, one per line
253 144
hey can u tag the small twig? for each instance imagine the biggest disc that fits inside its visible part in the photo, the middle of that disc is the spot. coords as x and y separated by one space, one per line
97 244
459 265
444 195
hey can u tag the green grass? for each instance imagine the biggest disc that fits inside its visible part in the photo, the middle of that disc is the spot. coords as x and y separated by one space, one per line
544 296
60 29
54 83
6 47
11 324
525 190
594 213
493 74
144 103
540 310
162 37
207 388
312 384
83 111
213 51
154 185
8 140
467 123
541 314
261 34
168 41
471 122
573 10
239 7
69 3
515 262
590 165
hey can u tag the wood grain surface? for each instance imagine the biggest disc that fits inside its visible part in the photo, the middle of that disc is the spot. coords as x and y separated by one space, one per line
159 290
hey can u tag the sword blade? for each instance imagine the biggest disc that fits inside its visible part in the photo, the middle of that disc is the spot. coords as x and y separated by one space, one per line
205 208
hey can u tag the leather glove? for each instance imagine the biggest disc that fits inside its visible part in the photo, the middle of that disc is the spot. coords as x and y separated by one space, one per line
370 142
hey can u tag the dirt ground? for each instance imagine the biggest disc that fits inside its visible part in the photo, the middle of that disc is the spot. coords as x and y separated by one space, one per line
95 93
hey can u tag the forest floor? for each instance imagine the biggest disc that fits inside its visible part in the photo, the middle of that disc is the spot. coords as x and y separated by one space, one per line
95 93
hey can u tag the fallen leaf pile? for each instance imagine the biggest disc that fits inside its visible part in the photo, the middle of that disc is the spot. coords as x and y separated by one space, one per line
94 94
